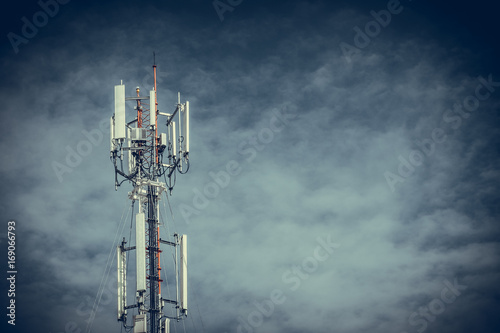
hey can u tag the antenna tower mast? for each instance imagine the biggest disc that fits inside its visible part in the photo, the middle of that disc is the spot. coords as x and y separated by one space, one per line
143 156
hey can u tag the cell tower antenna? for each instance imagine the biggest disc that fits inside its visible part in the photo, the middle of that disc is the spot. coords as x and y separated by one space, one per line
141 156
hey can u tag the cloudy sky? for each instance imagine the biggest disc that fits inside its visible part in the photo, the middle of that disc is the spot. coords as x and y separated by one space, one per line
362 140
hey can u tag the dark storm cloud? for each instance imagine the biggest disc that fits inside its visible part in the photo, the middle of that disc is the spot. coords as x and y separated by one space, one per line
314 174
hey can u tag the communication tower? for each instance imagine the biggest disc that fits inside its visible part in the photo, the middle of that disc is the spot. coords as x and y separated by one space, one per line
143 156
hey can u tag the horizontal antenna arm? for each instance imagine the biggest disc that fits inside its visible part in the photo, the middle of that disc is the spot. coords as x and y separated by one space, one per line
167 242
173 115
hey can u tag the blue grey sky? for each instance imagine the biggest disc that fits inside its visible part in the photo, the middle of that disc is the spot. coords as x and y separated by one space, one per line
344 161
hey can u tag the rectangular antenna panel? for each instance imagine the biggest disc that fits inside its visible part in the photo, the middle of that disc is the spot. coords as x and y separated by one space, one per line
119 112
165 326
122 278
174 139
152 107
112 134
131 161
140 323
140 249
163 140
124 264
185 128
183 274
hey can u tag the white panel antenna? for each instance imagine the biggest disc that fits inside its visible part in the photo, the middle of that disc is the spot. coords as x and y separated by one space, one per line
140 246
174 140
152 107
122 281
140 323
185 129
112 147
163 142
119 130
131 160
165 326
183 274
